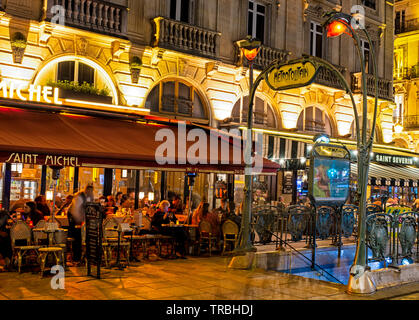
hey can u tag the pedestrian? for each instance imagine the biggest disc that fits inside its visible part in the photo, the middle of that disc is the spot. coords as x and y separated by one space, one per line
76 216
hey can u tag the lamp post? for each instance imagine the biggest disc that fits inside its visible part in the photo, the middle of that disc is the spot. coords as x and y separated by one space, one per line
359 281
250 48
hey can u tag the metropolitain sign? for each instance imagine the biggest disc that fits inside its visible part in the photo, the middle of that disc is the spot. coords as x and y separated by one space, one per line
297 73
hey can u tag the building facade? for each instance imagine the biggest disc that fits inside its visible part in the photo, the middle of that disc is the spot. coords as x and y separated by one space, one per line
406 74
179 59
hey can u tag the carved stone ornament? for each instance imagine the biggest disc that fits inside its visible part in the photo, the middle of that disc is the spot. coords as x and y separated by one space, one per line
81 46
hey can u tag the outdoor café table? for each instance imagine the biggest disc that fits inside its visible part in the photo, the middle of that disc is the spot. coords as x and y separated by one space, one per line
50 233
131 255
118 261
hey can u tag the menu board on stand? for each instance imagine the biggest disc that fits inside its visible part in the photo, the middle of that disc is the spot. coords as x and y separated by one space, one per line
94 232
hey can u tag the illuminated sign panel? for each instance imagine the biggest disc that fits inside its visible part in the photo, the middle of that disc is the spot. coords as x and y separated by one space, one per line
49 160
33 93
291 75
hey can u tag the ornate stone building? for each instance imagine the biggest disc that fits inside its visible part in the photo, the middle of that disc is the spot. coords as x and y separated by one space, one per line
179 59
406 74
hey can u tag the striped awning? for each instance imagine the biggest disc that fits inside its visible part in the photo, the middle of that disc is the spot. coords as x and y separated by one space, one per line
403 176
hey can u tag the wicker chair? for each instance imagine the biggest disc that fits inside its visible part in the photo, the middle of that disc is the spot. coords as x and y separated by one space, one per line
206 236
230 233
110 238
21 232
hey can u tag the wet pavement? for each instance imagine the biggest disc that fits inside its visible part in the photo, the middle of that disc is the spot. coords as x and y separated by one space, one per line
197 278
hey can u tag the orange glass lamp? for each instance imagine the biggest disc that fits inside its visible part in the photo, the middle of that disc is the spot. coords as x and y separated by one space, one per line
250 48
335 29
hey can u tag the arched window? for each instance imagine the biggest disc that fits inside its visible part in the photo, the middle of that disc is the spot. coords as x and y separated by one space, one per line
315 120
263 114
176 98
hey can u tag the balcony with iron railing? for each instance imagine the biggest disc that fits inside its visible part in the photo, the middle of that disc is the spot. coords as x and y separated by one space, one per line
183 37
406 73
385 87
410 123
93 15
408 26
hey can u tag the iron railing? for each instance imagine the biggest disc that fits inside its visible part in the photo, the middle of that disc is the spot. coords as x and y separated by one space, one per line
266 56
392 233
179 36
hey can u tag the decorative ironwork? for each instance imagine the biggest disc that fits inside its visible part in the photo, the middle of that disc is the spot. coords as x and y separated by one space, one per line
264 222
378 235
297 221
348 220
324 222
407 235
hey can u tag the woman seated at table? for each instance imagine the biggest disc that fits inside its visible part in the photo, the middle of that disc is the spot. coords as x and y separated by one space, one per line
177 206
33 213
164 216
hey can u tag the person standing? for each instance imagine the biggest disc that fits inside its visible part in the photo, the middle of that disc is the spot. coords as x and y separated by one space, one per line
5 241
76 216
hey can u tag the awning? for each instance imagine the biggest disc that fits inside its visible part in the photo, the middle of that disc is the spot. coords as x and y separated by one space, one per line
393 175
56 139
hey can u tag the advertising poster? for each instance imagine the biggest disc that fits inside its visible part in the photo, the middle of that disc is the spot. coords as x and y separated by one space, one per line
331 179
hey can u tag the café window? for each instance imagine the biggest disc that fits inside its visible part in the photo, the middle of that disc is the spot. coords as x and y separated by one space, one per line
263 114
75 71
316 39
176 98
314 120
180 10
256 20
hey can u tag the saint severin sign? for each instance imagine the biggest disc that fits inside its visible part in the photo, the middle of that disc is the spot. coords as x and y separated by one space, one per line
294 74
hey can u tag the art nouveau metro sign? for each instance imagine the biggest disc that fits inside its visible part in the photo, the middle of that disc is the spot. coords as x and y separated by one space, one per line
296 73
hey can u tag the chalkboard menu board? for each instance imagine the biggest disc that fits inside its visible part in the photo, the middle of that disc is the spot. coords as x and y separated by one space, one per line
94 219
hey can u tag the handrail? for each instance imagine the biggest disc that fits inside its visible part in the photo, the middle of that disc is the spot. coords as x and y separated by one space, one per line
311 261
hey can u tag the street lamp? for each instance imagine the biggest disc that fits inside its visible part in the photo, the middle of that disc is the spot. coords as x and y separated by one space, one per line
337 24
250 48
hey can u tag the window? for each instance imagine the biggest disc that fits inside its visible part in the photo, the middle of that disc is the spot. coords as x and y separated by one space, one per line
180 10
365 49
316 39
313 119
399 24
256 20
75 71
369 4
399 109
263 114
175 97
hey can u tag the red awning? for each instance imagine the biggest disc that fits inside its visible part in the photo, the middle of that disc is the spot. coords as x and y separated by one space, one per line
103 142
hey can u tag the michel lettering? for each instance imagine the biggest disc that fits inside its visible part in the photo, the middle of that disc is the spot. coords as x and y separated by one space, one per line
50 160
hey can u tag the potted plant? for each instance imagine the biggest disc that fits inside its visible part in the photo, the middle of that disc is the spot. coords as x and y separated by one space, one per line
83 92
135 66
18 44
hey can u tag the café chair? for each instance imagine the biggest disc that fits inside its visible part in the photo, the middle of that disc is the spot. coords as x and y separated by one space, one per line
230 233
206 236
21 232
110 237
